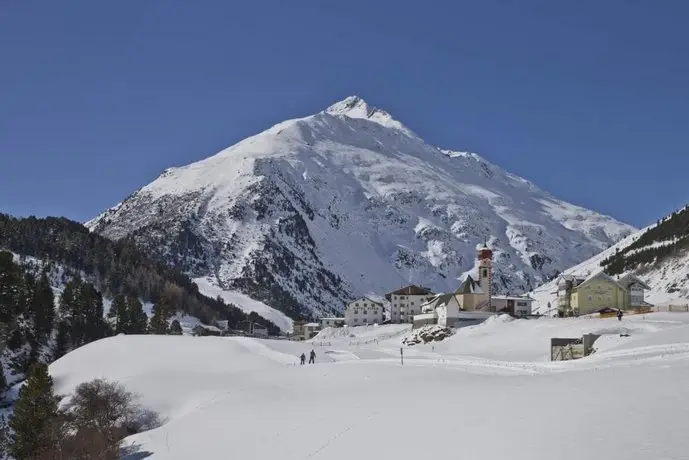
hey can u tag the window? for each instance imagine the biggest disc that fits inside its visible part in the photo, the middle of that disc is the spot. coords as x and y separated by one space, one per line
412 303
365 305
590 298
356 304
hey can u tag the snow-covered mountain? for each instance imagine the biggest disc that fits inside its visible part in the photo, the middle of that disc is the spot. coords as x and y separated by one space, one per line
657 254
347 202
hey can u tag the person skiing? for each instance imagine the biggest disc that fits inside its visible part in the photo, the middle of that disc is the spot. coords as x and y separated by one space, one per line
303 359
619 315
312 357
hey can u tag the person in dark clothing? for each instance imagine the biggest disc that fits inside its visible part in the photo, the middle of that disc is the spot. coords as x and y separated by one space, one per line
312 357
303 359
619 315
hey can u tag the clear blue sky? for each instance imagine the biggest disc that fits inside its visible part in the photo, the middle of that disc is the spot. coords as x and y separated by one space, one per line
589 99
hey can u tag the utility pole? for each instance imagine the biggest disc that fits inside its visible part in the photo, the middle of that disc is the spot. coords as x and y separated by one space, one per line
402 356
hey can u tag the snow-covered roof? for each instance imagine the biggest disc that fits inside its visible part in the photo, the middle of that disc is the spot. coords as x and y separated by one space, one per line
411 289
628 280
364 299
513 297
208 328
566 277
602 275
332 319
469 286
312 325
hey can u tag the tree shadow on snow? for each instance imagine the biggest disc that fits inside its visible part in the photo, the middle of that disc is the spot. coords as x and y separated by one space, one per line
134 452
144 420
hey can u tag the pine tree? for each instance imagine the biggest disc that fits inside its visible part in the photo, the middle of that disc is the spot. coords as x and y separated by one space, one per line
68 296
175 328
138 321
34 414
158 324
120 314
4 436
43 308
61 340
10 288
96 326
3 380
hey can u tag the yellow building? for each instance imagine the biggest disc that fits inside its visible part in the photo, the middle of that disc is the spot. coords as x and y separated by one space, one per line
597 292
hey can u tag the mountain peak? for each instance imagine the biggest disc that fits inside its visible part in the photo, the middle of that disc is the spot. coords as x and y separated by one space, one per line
355 107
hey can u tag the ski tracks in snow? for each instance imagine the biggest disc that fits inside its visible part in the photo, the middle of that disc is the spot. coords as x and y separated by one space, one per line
341 433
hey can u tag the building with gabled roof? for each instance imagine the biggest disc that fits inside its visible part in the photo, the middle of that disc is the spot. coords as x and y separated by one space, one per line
470 303
565 285
598 291
363 311
636 291
406 302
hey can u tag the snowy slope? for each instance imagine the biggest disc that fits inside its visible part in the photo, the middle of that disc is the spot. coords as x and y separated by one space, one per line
349 202
247 304
246 396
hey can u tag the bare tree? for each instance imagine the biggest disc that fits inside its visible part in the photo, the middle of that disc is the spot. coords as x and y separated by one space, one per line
99 415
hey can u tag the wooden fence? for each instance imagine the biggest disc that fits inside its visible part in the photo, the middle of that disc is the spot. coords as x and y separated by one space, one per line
672 308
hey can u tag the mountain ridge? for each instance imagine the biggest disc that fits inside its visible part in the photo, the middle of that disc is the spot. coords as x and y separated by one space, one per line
302 214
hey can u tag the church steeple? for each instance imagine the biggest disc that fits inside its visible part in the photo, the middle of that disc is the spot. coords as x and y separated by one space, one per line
485 271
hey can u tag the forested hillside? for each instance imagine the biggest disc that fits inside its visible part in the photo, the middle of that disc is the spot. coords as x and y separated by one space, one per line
114 267
670 237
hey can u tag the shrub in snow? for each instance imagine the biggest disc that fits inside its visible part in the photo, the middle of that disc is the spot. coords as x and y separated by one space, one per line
91 425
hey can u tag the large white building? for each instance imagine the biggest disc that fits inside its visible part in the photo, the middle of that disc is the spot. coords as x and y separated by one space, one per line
363 311
406 302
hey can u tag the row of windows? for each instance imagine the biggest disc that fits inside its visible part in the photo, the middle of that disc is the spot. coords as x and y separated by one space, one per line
364 304
364 321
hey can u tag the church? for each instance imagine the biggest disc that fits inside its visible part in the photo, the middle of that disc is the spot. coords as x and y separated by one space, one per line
472 303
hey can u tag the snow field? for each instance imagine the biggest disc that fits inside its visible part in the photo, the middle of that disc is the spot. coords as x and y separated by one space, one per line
486 393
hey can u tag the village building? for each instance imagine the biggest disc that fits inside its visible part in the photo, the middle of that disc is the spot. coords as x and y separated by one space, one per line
301 330
565 286
471 303
636 292
363 311
204 330
332 322
253 328
512 305
406 302
600 291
